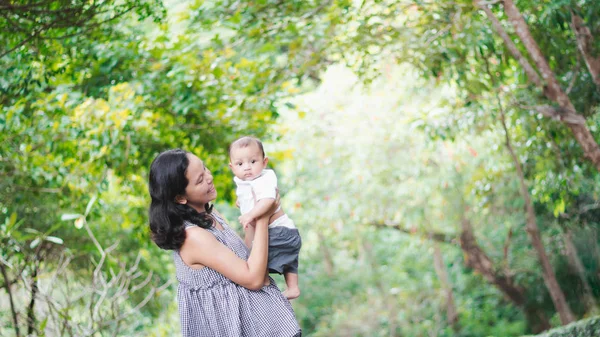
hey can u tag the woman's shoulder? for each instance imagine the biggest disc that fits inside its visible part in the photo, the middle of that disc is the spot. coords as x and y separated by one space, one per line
197 239
197 233
197 243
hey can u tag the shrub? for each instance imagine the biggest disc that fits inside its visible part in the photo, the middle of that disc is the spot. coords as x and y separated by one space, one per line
585 328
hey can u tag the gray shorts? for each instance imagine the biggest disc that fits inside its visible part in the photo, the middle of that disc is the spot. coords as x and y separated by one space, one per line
284 247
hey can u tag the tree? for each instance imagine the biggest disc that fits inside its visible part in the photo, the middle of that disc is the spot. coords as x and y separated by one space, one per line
36 25
452 41
387 174
85 110
548 82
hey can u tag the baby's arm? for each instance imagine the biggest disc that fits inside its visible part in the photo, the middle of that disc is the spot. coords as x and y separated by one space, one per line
260 208
264 189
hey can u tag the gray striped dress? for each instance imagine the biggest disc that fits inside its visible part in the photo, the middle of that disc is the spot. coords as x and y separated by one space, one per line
211 305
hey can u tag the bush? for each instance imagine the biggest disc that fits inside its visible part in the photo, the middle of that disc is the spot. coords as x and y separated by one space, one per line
585 328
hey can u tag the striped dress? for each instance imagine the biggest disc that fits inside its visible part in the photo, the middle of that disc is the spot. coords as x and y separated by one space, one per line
211 305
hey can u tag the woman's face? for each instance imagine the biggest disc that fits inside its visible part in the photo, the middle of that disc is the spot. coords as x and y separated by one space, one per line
200 189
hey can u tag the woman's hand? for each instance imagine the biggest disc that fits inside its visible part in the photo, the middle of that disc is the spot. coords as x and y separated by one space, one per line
277 202
246 220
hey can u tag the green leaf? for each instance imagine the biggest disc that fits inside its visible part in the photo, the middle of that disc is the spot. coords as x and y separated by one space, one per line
6 263
559 208
12 223
34 243
31 231
66 217
55 239
12 220
43 324
53 228
90 204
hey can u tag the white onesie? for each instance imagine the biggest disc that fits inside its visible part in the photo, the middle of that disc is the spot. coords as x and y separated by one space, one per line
264 186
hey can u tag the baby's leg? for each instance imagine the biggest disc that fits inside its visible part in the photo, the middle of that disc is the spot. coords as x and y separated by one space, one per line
292 291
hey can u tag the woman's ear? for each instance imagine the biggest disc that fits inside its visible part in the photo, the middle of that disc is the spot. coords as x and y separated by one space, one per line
180 199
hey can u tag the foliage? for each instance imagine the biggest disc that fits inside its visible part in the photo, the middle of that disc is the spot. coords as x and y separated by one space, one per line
364 172
35 25
584 328
374 163
82 117
104 294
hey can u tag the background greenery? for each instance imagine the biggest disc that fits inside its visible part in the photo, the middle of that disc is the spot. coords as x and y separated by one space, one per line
445 182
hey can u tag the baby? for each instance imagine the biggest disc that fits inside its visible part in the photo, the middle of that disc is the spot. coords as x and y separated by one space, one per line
256 192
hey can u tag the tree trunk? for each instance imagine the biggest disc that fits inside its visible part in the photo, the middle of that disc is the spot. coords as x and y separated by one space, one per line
442 273
326 255
478 260
556 293
549 84
578 267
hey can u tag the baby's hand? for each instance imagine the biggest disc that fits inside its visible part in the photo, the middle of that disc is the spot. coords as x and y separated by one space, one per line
246 220
252 223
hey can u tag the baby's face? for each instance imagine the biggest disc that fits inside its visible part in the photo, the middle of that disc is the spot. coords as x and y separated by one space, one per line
247 162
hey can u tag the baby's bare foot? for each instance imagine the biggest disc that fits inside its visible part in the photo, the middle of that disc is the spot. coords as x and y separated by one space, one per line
292 293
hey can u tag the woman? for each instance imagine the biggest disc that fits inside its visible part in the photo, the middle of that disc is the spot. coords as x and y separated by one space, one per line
222 288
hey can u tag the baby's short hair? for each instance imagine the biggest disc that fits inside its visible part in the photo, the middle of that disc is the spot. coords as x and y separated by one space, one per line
244 142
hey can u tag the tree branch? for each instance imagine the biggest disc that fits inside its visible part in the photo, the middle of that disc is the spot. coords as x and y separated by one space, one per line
585 43
512 48
553 89
8 6
30 309
90 27
77 21
435 236
574 76
10 299
20 44
532 229
560 114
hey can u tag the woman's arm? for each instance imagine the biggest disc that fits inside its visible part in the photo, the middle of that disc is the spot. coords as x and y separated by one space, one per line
249 235
201 248
249 230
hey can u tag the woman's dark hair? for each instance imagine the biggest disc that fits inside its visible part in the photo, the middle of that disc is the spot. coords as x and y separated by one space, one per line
167 217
